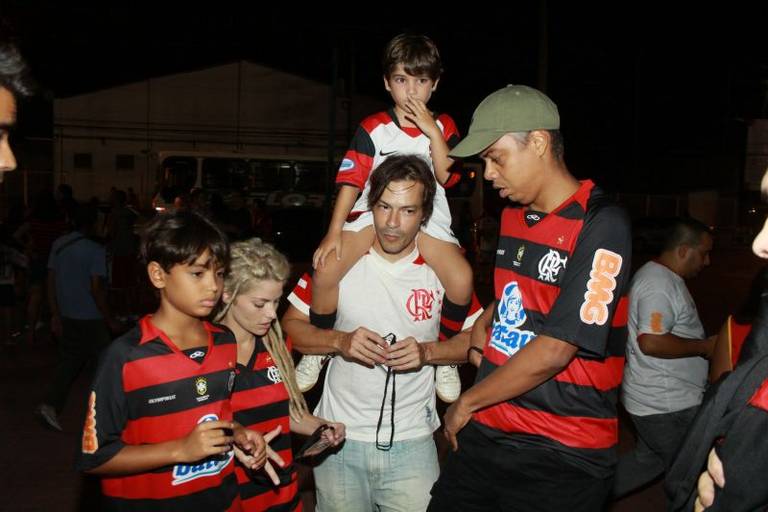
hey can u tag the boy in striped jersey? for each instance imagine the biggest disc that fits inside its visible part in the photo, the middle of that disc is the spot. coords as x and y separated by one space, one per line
159 426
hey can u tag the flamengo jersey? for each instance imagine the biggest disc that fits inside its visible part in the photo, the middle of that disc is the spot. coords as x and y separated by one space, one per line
403 298
564 277
380 136
147 391
260 402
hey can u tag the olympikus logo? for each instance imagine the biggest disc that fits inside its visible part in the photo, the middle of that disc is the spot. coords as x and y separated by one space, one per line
183 473
605 267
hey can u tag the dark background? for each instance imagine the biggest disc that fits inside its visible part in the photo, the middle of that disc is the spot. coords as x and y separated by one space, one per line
654 97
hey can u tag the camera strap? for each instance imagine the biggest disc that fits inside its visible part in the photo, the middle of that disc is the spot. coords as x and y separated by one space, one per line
391 339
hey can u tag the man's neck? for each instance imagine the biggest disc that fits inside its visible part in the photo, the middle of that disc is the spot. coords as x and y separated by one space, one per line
184 331
668 260
393 258
560 186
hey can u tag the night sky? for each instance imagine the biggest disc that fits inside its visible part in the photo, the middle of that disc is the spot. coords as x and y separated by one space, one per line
655 98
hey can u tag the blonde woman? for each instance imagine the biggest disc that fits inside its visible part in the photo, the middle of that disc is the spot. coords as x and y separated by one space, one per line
266 395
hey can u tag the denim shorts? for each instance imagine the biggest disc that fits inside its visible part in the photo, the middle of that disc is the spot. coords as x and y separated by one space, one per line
359 477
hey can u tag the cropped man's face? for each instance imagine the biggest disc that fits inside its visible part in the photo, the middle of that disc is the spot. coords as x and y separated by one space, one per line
760 245
7 120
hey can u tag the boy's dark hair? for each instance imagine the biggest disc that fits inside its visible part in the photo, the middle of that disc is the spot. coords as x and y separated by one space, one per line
180 237
404 167
417 53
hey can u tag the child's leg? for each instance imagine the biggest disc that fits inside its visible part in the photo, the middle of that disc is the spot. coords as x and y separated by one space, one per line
325 280
455 274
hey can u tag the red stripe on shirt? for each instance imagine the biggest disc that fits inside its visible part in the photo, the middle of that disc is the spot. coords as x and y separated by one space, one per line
156 370
621 314
166 427
603 375
760 398
576 432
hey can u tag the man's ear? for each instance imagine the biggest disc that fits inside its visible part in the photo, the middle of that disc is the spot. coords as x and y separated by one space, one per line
540 140
682 251
386 83
434 86
226 298
156 274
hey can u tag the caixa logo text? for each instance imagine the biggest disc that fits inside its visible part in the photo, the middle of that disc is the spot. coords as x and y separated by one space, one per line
183 473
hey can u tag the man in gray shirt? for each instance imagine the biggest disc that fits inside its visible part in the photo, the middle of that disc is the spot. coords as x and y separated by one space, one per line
666 367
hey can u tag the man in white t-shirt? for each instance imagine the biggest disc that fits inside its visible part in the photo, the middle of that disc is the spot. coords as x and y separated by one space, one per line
384 393
666 367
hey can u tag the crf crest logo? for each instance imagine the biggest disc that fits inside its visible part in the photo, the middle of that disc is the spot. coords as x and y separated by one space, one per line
420 303
550 266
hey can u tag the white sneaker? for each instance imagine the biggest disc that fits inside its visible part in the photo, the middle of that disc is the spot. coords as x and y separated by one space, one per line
447 383
48 415
308 371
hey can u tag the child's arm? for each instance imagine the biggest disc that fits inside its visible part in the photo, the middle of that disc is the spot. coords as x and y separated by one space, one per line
425 120
206 439
345 200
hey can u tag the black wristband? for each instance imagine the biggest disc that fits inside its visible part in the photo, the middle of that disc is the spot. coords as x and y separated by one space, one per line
476 349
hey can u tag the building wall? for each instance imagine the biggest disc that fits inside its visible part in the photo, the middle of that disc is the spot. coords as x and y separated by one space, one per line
239 107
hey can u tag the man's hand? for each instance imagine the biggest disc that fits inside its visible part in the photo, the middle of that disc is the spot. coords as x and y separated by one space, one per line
407 354
456 418
206 439
364 346
714 475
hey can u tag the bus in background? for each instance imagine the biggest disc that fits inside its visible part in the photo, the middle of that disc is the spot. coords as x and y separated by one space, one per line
287 196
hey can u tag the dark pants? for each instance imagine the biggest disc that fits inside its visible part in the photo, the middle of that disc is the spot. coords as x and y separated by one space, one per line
81 341
485 476
659 436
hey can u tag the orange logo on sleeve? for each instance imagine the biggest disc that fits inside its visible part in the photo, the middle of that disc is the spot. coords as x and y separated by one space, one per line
656 322
605 267
90 441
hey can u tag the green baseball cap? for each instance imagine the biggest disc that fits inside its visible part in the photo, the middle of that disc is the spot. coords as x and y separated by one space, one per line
515 108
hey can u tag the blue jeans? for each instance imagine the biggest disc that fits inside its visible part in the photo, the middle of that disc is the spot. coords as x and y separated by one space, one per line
659 436
361 478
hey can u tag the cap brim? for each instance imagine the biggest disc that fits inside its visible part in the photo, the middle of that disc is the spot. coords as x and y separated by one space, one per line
475 143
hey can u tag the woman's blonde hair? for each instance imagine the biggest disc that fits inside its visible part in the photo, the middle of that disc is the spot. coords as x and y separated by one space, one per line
253 261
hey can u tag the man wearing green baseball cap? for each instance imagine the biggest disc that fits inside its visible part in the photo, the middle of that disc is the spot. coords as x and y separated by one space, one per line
538 430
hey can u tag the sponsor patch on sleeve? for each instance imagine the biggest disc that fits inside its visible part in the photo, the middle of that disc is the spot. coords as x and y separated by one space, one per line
90 440
347 165
657 324
606 265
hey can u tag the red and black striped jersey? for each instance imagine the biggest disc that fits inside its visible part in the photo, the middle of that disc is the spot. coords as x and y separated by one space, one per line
260 402
380 135
147 391
563 274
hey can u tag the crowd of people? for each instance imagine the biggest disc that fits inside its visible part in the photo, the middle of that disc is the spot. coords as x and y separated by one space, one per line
193 405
